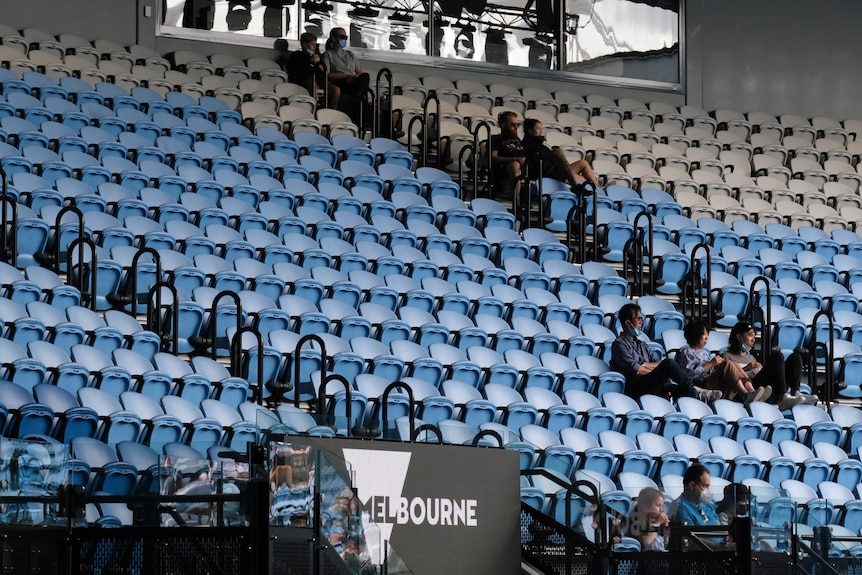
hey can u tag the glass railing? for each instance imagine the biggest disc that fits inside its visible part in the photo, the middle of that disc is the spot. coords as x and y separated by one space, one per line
781 521
308 482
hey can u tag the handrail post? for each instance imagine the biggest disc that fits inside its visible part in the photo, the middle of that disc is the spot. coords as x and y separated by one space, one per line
424 121
12 247
80 243
696 285
52 260
321 397
638 234
766 329
481 125
120 300
236 353
211 340
432 97
385 399
154 317
319 341
633 258
377 100
829 350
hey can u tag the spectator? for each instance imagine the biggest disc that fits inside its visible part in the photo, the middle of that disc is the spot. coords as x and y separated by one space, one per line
648 522
781 375
644 374
345 72
736 503
694 507
552 163
507 154
715 372
305 67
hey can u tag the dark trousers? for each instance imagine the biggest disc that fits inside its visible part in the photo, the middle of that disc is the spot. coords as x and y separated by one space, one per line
782 374
659 382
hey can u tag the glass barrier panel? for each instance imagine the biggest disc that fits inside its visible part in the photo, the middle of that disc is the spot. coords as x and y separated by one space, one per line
621 41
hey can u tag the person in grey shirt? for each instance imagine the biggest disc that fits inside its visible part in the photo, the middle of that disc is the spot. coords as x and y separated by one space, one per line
342 68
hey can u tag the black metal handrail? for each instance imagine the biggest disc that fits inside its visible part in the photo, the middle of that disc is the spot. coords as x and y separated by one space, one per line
51 260
476 130
321 398
694 302
634 253
155 319
236 358
431 97
9 249
121 300
79 243
828 351
766 317
323 360
385 410
423 142
209 342
377 100
578 214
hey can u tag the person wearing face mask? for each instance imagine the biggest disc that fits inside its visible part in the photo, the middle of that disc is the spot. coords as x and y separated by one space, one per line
782 375
736 503
305 67
645 374
694 507
552 163
343 69
714 372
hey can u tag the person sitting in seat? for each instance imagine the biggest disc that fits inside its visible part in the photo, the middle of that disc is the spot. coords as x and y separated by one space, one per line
305 68
714 372
633 358
507 154
552 163
781 375
345 72
648 522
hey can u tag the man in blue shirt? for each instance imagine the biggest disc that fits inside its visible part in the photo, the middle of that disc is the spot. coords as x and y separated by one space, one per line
694 507
633 358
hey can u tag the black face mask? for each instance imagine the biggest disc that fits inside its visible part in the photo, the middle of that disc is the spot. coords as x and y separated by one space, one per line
742 510
536 139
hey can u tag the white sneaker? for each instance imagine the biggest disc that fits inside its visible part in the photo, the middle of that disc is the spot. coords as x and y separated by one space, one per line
808 399
789 401
759 394
708 395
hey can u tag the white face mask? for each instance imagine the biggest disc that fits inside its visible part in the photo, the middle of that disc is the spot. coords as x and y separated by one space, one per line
706 496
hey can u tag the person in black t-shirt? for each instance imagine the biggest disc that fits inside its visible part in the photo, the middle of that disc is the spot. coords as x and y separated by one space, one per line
553 162
507 153
305 67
